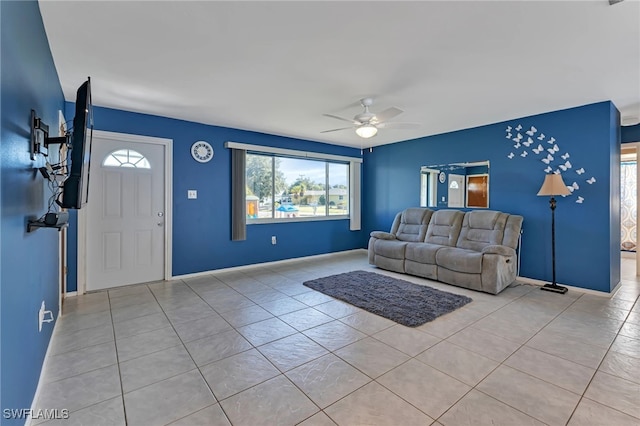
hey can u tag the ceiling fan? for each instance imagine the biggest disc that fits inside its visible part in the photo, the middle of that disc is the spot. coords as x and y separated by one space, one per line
367 123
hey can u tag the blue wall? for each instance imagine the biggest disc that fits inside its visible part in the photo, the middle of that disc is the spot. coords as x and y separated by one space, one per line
586 232
630 133
202 227
29 262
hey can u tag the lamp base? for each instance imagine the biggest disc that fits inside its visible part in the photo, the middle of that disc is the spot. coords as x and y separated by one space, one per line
554 288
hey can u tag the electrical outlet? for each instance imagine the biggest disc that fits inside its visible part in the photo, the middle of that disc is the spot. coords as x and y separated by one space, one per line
44 316
273 240
192 194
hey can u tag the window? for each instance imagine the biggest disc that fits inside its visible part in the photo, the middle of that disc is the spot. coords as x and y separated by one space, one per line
126 158
283 187
257 191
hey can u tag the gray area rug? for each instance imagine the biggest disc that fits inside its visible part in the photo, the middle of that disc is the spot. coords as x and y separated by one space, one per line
398 300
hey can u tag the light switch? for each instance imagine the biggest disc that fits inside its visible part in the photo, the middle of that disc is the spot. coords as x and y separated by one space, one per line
192 194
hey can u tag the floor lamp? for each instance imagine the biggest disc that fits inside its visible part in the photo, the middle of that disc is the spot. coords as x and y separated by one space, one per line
553 185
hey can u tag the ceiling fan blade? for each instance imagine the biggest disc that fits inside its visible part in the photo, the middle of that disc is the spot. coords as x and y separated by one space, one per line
342 119
397 125
388 114
335 130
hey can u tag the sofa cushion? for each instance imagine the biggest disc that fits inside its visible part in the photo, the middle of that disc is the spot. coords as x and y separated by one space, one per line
460 260
512 231
481 228
422 252
444 227
413 224
392 249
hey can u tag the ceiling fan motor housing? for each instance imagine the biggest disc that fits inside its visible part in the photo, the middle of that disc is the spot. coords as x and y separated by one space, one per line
364 117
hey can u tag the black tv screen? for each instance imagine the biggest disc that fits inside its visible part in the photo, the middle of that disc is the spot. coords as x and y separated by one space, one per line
75 192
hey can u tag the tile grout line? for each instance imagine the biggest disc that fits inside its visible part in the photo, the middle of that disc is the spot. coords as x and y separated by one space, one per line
115 343
494 369
370 335
582 396
184 346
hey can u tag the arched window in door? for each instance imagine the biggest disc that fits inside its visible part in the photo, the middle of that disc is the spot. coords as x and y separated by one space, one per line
126 158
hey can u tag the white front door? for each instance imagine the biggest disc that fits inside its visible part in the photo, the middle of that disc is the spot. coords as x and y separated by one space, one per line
125 214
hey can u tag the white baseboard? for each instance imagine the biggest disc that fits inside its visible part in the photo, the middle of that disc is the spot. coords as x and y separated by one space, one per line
257 265
578 289
70 294
42 372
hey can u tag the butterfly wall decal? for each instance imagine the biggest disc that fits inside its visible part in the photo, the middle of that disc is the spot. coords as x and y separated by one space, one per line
548 159
528 138
565 166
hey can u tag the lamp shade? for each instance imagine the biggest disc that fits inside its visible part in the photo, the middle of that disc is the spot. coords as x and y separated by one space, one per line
366 131
553 185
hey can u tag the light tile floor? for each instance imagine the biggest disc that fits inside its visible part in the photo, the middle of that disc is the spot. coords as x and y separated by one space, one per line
256 347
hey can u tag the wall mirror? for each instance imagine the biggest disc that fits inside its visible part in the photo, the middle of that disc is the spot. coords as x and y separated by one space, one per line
455 185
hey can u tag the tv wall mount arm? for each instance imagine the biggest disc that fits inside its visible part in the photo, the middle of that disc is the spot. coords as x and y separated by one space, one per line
40 139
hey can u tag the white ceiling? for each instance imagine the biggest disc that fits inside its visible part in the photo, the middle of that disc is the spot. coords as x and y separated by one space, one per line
276 67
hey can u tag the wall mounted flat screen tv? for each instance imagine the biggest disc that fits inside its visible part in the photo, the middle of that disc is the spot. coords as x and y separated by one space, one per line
75 192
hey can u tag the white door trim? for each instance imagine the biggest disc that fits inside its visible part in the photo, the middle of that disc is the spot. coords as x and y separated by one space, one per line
168 205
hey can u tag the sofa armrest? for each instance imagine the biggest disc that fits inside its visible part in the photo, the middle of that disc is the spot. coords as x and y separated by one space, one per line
383 235
495 249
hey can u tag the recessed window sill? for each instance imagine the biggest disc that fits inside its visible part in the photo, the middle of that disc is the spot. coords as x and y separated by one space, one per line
296 219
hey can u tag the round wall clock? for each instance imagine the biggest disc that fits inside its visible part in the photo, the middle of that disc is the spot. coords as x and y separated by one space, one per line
202 151
442 177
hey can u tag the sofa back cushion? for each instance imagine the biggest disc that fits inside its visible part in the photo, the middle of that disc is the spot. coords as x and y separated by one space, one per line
411 224
512 231
481 228
444 227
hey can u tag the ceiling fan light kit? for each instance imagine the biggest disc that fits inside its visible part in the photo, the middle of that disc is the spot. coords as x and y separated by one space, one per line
366 131
367 123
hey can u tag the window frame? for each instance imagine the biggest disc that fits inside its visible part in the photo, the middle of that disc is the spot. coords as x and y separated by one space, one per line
326 216
354 178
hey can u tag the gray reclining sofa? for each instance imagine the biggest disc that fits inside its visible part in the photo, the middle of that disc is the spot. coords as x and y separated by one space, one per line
475 249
